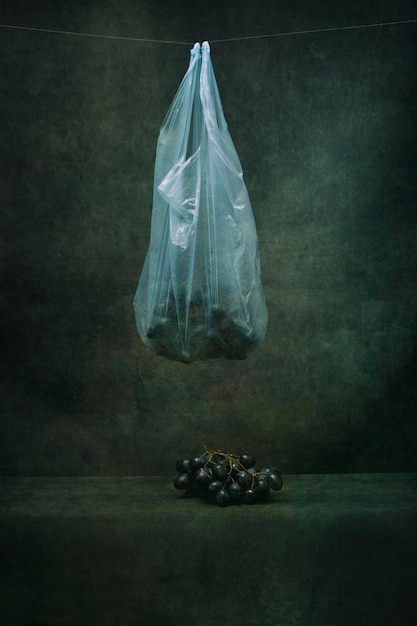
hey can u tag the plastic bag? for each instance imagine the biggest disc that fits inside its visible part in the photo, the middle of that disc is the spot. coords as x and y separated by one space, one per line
200 294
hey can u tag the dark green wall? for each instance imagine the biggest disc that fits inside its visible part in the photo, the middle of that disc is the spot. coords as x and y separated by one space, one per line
325 126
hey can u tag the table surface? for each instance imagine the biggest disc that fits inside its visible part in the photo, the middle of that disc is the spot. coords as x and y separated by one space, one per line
317 494
327 550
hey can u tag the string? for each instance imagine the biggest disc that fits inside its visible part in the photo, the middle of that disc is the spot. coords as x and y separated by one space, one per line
187 43
316 30
64 32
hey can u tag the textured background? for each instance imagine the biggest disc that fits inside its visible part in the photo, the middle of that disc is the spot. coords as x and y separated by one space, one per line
325 126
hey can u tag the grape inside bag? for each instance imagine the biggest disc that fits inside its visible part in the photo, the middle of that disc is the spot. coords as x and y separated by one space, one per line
200 294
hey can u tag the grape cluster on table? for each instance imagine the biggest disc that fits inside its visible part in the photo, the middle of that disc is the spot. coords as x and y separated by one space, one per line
225 478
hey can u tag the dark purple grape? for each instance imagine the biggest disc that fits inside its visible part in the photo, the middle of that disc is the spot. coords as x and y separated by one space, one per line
244 479
196 462
275 481
182 481
220 458
203 477
268 469
262 489
222 497
246 460
220 472
214 486
249 496
183 465
235 491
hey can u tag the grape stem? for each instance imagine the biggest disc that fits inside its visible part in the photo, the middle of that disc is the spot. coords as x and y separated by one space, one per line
232 459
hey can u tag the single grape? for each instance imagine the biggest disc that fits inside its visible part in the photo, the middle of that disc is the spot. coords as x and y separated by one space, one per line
214 486
268 469
220 471
203 477
182 481
235 491
196 462
246 460
244 479
262 489
275 481
261 483
249 496
222 497
221 458
183 465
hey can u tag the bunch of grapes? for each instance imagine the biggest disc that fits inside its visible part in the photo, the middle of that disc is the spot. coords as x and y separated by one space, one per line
226 478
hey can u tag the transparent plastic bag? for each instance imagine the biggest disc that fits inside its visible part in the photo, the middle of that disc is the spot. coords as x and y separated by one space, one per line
200 294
